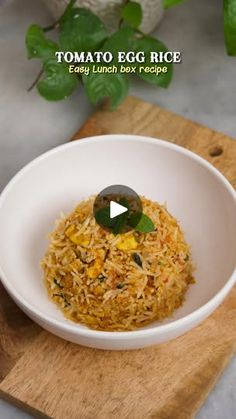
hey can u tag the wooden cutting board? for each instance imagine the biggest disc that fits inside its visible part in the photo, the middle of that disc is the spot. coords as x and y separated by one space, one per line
51 377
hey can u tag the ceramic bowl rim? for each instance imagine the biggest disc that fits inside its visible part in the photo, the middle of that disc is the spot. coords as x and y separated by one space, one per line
129 335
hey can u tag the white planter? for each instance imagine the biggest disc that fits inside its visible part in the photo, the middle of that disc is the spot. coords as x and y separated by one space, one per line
108 11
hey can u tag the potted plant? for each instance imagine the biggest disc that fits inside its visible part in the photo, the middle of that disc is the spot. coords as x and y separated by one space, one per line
109 11
81 29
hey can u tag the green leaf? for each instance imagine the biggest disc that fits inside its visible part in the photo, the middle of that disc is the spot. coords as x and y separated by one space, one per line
144 225
82 30
230 26
132 14
121 220
124 201
116 224
149 44
104 85
170 3
67 11
122 40
38 46
102 216
120 223
58 83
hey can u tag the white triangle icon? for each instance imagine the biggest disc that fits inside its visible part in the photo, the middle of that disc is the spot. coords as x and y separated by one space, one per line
116 209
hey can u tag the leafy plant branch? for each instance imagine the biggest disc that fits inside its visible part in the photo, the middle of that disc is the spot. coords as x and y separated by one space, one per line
229 9
81 30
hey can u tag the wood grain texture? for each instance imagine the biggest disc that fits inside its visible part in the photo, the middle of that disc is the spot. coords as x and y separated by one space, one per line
16 332
58 379
143 118
166 381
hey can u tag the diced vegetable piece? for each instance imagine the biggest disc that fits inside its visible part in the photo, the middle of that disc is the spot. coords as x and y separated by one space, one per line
127 243
94 270
70 230
68 281
83 239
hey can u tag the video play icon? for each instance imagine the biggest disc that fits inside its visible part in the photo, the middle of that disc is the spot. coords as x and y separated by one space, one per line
117 209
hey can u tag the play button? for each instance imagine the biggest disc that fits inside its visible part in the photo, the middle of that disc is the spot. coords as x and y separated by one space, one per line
117 209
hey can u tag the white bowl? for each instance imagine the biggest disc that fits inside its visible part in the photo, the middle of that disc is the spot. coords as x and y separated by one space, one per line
195 192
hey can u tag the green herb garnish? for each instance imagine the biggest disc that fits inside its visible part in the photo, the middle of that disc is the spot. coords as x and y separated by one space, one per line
138 221
142 224
63 297
137 259
102 216
58 295
101 278
116 224
120 286
56 282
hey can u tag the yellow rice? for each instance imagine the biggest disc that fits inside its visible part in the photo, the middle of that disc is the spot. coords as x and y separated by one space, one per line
117 283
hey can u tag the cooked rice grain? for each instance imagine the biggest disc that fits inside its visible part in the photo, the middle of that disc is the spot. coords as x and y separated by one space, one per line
95 283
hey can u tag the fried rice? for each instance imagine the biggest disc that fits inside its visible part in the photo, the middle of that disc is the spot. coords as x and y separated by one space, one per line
117 282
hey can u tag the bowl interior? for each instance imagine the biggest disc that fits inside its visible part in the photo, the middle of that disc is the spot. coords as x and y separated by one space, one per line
57 181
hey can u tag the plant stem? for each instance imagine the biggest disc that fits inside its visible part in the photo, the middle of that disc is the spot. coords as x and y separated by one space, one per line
35 81
51 27
141 32
121 19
